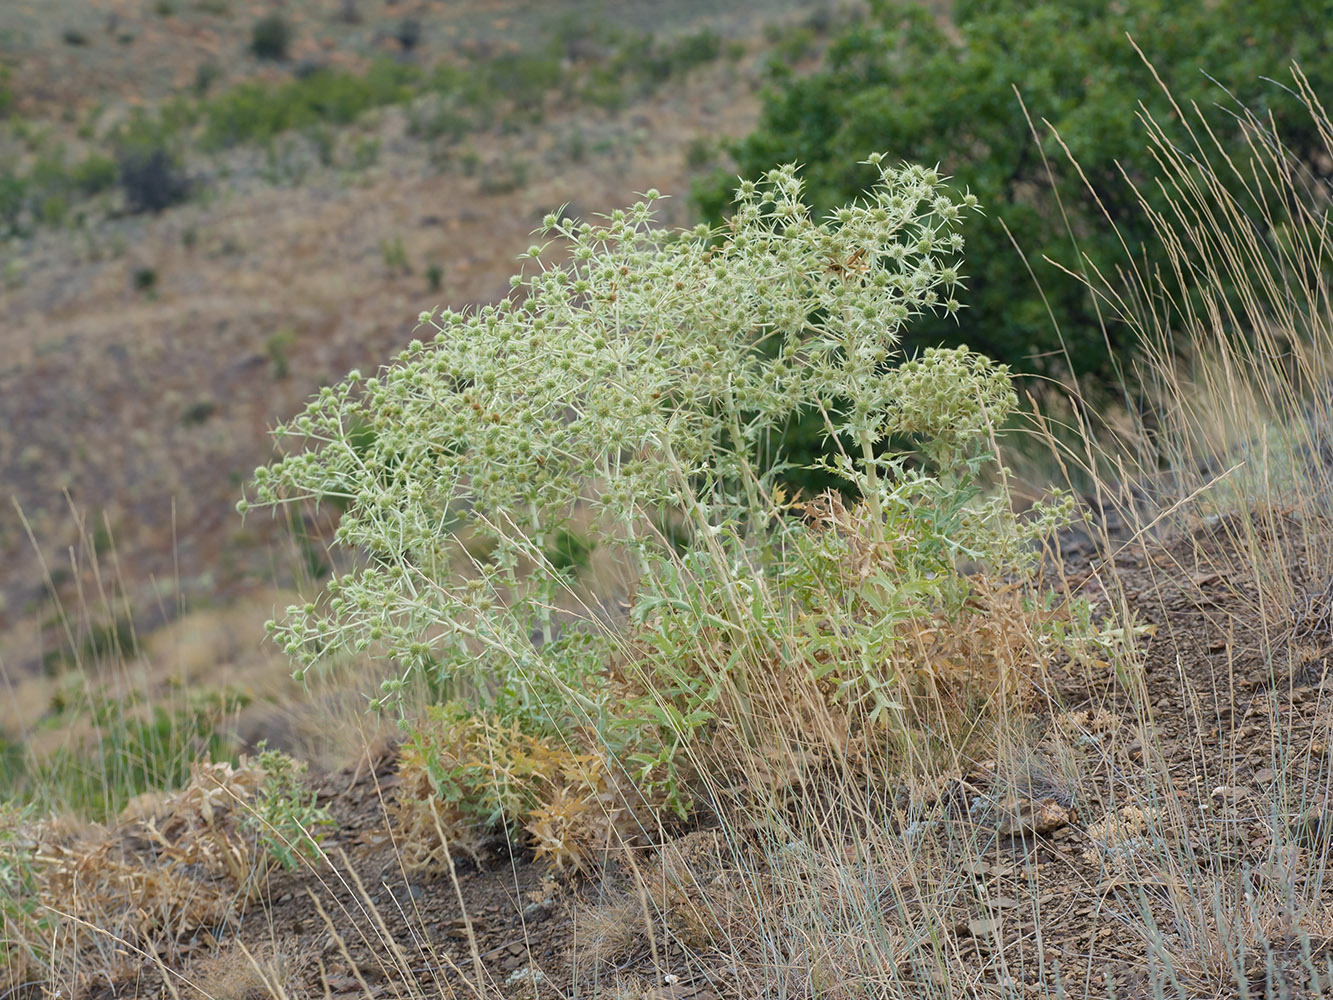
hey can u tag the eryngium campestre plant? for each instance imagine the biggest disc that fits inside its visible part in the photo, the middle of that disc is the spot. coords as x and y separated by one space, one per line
636 372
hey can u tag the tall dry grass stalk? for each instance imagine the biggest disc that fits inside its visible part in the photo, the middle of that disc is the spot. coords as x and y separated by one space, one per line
1232 400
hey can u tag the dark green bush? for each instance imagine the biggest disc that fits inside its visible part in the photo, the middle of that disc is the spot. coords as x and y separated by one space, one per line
145 280
898 81
152 178
525 78
408 33
271 38
13 197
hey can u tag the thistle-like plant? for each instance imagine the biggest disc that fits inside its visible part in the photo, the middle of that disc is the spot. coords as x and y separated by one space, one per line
635 371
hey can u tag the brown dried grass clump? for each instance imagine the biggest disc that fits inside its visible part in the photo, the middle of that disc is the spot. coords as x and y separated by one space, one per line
236 973
462 775
171 865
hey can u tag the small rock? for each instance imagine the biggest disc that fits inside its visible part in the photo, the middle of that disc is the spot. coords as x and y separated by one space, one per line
1017 815
981 927
1316 824
1224 795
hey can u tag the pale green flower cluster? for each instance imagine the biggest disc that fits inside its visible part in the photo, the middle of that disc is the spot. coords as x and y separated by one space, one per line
631 370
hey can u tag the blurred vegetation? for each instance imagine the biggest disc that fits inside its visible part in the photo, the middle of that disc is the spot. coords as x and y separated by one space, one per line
129 747
902 81
271 38
461 94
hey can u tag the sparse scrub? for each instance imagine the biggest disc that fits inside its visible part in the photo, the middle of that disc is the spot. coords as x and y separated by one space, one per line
121 747
50 188
6 91
253 111
408 33
205 75
504 177
395 256
178 864
145 280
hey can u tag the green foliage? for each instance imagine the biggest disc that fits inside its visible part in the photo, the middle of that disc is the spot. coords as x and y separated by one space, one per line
205 75
284 816
639 64
900 81
198 413
276 347
45 193
94 174
6 92
271 38
395 255
569 552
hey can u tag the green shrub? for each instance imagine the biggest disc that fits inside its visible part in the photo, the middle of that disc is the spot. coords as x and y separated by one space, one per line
639 379
271 38
152 179
22 919
254 111
408 33
94 174
205 75
899 81
276 347
525 78
13 198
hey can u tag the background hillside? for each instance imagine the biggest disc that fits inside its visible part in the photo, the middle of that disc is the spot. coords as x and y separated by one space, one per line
146 354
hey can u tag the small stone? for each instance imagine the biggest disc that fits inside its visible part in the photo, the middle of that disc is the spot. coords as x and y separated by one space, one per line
981 927
1316 824
1019 815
